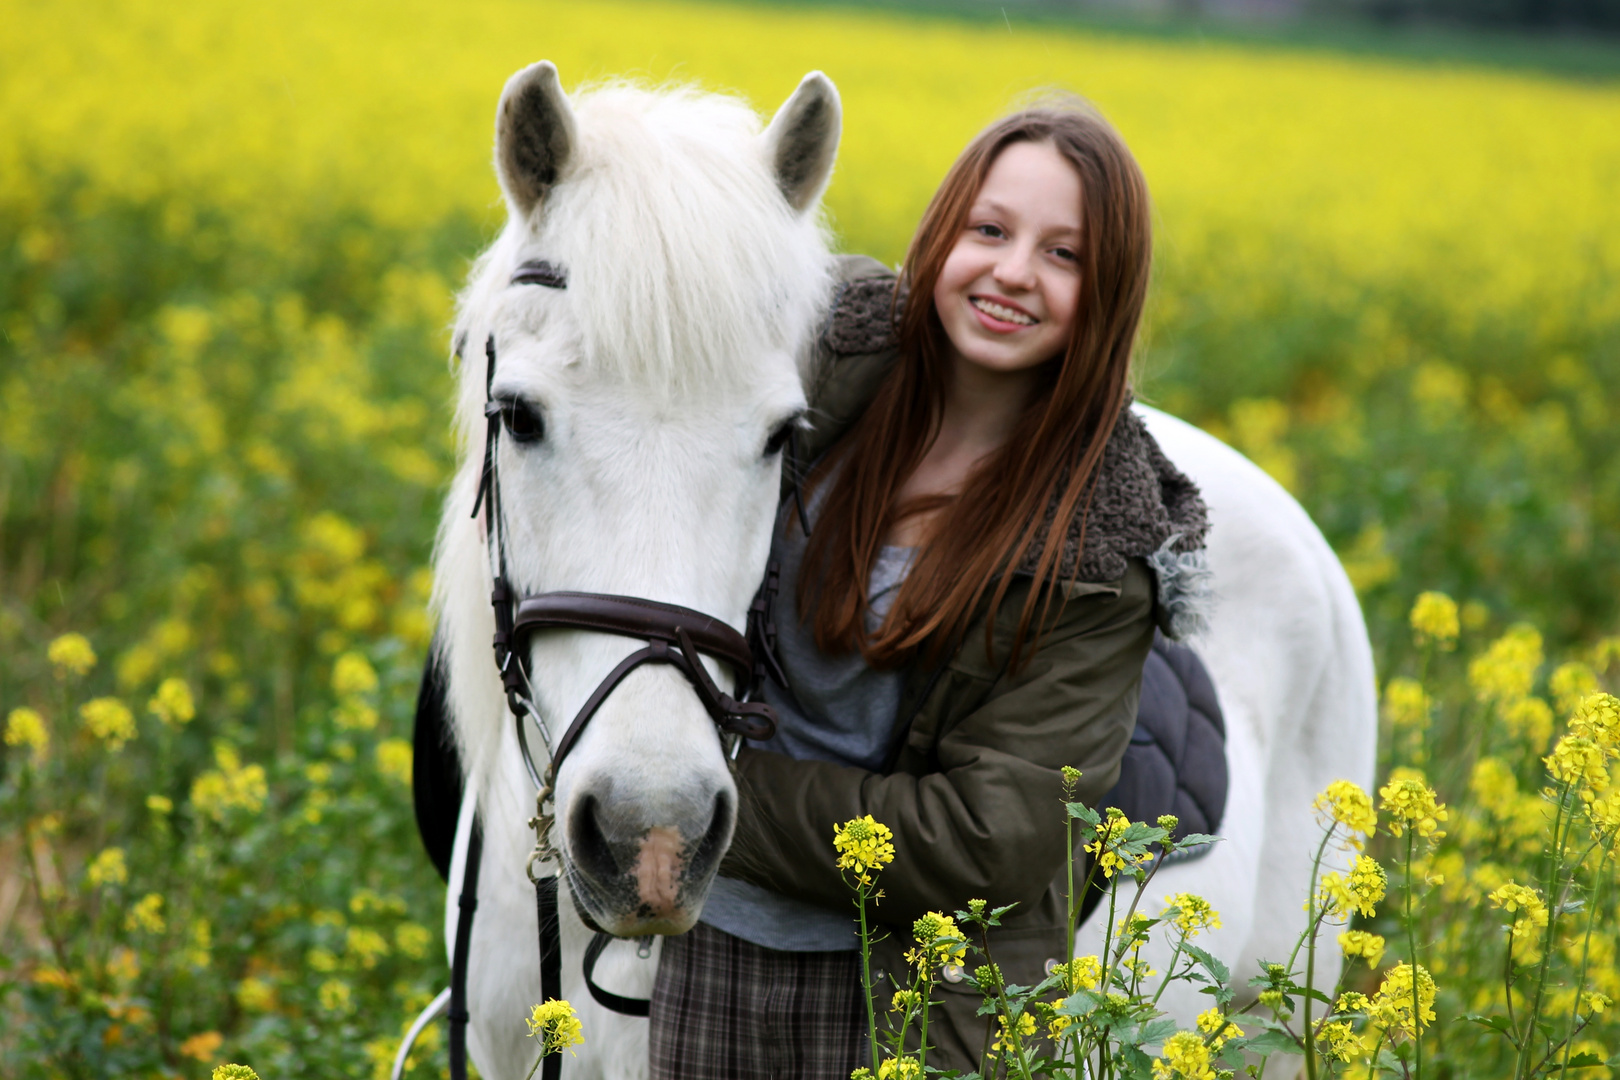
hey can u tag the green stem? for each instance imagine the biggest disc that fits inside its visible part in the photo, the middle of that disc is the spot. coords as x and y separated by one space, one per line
1074 902
1170 971
866 976
1313 922
927 984
1412 951
1586 952
1316 870
1560 837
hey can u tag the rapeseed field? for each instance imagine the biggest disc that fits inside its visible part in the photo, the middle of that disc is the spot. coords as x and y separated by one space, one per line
231 234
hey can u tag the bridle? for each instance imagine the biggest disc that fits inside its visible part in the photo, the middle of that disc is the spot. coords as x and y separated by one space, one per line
674 635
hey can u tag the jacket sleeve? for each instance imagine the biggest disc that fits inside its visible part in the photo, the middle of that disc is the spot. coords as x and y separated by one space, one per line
984 820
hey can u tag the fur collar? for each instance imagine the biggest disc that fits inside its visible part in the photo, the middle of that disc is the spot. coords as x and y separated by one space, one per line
1142 505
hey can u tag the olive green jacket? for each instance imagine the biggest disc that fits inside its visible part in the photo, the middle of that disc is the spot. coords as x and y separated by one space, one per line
973 793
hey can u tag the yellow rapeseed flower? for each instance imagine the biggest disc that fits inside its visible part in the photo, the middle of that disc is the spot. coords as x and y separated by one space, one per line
1571 683
412 940
107 868
335 996
1352 1002
1184 1057
1579 762
172 703
1004 1039
146 914
863 845
1081 973
1391 1007
1512 898
1212 1022
394 757
1360 943
556 1026
1594 1002
1411 805
1597 717
1358 891
1345 802
1505 671
1492 783
1104 849
353 674
234 1072
1529 718
1193 913
255 995
1434 620
71 656
903 1068
1406 704
366 945
905 1001
160 804
108 720
25 727
1336 1040
233 786
1603 811
941 940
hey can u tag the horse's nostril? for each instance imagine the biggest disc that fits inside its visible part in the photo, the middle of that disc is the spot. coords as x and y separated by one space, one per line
716 837
588 846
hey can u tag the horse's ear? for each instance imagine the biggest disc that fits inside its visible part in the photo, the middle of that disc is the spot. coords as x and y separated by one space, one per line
802 140
534 135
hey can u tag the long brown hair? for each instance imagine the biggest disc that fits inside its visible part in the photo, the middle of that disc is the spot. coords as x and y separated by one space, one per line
1050 459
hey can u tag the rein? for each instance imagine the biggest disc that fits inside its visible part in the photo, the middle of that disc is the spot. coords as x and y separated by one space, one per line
674 635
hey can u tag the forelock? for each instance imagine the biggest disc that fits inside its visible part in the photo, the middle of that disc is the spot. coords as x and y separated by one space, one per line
683 257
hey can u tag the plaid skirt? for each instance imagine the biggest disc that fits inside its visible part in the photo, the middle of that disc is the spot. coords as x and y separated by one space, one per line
727 1009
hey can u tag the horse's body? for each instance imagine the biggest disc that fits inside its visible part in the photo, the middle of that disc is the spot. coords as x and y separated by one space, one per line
696 275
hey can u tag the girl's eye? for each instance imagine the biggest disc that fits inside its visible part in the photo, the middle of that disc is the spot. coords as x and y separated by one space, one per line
522 422
1065 254
992 231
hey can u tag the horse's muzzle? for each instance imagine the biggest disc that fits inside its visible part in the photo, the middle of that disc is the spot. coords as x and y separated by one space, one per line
631 876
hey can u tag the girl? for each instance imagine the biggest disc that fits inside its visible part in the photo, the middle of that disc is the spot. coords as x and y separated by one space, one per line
985 541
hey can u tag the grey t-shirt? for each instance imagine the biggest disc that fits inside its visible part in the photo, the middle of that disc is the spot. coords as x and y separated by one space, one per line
837 709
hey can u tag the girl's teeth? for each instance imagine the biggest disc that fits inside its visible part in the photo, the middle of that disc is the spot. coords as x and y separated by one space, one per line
1005 314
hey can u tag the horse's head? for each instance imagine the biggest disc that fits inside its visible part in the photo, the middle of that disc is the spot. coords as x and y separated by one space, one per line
650 302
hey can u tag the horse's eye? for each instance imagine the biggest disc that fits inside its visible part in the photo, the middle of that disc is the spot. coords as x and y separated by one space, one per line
779 438
522 422
541 272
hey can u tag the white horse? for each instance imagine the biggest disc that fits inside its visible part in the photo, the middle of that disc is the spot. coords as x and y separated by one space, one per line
646 393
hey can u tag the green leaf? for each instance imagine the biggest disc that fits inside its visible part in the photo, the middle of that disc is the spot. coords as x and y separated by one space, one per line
1197 839
1497 1024
1270 1041
1583 1060
1157 1030
1217 970
1083 813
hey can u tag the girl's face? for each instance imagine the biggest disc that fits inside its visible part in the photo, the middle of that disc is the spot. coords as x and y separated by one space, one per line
1009 288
